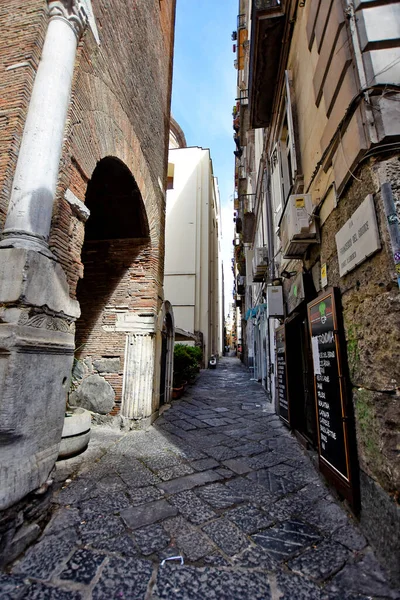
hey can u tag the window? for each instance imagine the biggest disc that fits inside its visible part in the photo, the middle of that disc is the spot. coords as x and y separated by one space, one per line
283 158
170 176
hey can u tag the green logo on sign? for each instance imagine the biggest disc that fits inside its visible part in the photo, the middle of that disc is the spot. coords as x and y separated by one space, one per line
322 311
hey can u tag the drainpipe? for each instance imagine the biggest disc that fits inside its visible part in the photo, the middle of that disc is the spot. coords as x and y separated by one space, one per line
31 204
393 225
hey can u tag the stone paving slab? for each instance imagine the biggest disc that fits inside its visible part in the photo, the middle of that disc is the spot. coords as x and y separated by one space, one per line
175 583
217 481
187 483
147 514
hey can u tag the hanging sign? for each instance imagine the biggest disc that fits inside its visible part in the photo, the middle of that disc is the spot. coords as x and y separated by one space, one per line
296 293
330 392
282 383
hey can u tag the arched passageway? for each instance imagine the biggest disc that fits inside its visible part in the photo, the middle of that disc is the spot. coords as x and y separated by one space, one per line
116 257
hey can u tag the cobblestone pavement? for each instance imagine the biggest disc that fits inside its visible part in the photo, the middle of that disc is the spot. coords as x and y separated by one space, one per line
217 480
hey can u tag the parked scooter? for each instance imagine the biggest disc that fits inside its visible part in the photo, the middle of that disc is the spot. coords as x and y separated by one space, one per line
212 363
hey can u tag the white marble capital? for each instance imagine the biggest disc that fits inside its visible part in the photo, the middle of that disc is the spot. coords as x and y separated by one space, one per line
71 11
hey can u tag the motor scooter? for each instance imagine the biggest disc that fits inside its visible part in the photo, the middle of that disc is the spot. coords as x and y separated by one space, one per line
212 363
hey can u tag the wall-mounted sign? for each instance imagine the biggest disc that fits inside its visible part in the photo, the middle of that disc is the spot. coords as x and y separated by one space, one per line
296 293
330 393
358 238
282 383
324 276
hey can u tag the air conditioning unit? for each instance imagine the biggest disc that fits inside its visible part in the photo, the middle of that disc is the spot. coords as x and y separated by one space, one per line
298 228
260 263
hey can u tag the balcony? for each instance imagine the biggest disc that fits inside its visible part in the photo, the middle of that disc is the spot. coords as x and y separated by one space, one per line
268 22
260 264
241 285
246 207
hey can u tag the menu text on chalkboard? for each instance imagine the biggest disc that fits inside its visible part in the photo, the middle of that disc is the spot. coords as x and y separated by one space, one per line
329 385
282 388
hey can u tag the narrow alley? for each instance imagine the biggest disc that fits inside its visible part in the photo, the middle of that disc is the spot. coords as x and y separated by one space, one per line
216 500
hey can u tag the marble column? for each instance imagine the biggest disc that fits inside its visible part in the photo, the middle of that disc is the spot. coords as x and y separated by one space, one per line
137 391
35 180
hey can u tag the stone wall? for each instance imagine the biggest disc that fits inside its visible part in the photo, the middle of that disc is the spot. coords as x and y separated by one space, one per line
116 282
371 312
371 315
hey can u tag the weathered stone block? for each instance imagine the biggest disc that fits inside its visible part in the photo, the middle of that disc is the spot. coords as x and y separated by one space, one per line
107 365
24 537
377 416
34 378
94 394
36 279
380 521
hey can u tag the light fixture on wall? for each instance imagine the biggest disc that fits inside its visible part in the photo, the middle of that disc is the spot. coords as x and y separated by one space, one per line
288 274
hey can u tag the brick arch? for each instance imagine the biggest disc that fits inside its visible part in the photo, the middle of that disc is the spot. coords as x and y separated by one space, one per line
118 283
105 129
116 206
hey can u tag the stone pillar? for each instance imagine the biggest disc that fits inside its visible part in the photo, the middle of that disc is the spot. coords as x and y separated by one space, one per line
36 312
137 390
35 180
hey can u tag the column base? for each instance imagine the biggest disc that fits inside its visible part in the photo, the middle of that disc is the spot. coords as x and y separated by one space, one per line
27 243
36 356
35 372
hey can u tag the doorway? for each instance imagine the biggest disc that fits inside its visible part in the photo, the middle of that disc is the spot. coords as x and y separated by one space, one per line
300 378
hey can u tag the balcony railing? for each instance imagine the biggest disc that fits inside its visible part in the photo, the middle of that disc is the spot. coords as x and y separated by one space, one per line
246 202
241 21
266 4
243 98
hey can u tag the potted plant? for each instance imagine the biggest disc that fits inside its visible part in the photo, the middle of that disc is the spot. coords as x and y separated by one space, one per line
186 366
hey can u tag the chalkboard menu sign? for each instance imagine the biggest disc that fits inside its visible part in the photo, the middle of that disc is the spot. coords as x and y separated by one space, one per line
282 391
329 386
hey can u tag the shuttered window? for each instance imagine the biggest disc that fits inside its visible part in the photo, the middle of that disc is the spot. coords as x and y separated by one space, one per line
283 158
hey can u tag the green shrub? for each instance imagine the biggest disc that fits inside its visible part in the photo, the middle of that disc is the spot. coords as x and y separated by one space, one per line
195 352
186 361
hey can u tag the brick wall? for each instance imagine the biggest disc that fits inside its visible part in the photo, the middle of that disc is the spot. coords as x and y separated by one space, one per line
116 281
120 107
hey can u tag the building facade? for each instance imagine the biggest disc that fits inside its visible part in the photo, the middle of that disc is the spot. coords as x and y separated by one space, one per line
193 272
317 255
84 125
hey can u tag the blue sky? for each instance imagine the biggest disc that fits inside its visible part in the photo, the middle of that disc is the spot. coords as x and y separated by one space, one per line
203 94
